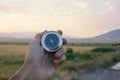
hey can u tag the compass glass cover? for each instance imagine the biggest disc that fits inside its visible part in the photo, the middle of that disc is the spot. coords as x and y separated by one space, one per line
52 41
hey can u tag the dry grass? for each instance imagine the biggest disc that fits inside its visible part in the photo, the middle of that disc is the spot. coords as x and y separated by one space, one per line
16 50
80 49
13 50
11 58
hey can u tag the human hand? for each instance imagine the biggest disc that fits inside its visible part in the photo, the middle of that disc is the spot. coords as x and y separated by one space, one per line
46 63
39 64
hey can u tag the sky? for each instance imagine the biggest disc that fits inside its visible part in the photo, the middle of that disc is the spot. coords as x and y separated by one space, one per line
77 18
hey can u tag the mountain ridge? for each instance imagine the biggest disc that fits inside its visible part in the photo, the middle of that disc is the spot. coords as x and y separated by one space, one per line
108 37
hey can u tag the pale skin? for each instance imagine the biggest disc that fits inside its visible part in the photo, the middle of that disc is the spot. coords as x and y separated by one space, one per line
39 64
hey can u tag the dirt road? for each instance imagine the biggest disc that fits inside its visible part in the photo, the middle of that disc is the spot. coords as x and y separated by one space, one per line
111 73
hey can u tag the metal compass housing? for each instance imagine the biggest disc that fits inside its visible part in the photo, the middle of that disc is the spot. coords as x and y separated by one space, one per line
51 41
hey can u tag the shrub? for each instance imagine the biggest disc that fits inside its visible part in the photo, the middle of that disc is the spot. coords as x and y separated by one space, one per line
81 56
116 58
103 50
69 50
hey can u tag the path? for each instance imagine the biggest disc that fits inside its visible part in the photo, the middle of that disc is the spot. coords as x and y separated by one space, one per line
111 73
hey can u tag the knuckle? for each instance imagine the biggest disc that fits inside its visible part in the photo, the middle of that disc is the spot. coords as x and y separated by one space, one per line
63 58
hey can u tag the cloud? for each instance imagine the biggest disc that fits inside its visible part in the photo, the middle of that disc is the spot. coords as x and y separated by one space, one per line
10 9
106 8
81 5
109 6
14 1
4 9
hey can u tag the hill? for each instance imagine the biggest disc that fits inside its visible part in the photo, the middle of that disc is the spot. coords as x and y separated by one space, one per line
13 40
18 35
109 37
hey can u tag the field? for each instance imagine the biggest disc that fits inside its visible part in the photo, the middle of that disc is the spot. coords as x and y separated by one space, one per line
80 59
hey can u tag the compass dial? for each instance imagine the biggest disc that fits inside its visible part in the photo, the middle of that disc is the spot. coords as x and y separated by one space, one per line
51 41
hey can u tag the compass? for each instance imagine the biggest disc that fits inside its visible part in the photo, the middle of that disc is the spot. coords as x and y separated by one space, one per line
51 41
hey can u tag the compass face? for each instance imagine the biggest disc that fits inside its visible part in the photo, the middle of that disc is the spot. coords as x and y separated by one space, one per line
51 41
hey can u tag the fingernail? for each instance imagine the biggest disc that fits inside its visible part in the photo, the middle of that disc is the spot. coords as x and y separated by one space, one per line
59 55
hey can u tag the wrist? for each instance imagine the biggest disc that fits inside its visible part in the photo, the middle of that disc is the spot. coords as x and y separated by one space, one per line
31 71
37 72
21 73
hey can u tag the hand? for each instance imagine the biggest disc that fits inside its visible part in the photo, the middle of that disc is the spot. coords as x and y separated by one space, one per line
39 64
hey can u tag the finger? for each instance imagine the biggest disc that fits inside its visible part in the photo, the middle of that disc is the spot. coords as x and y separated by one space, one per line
59 61
64 41
59 53
60 31
39 35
